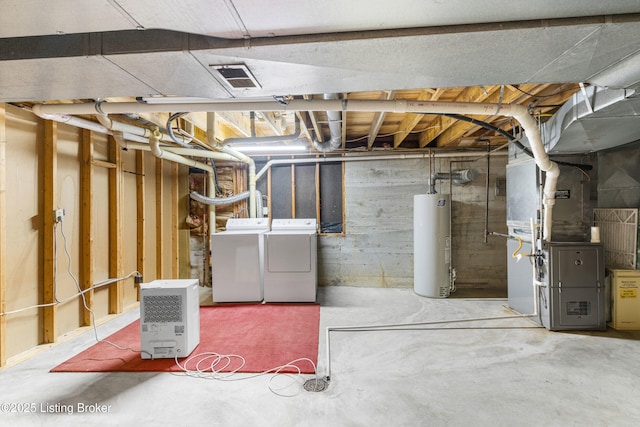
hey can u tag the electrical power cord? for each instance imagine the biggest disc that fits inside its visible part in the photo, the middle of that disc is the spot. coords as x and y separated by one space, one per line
208 365
84 298
221 367
80 292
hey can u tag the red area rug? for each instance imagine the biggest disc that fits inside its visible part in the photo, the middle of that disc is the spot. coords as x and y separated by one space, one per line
265 335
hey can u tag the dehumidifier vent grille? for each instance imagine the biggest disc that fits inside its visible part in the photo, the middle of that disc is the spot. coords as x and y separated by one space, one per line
162 308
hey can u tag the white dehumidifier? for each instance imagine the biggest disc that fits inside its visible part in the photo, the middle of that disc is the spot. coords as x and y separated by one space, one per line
169 318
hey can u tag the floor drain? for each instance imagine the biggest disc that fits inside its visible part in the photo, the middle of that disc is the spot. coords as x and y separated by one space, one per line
316 384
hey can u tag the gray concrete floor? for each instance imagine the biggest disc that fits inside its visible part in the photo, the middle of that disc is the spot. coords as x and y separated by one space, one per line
491 373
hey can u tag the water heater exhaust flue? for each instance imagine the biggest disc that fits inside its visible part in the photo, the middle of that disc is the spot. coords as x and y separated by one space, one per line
431 245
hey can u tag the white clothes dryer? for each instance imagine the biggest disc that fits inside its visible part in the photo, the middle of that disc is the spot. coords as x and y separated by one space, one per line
290 268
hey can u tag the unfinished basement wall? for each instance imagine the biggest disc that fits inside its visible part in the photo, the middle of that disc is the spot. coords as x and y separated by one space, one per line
108 196
481 266
377 248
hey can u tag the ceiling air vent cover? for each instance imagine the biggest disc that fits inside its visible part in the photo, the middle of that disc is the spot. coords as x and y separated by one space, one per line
237 76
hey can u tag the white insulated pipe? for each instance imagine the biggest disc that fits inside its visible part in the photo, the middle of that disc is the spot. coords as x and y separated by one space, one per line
156 150
185 152
395 106
128 129
519 112
368 157
89 125
124 133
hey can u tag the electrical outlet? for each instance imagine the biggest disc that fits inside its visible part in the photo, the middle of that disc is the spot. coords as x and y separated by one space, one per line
58 214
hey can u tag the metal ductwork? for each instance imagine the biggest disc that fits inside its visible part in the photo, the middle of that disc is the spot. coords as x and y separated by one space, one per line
335 127
593 119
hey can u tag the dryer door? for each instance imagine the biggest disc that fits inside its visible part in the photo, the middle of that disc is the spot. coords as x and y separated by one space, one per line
288 253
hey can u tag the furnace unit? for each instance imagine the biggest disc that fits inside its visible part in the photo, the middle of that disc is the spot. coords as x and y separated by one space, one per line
569 269
573 296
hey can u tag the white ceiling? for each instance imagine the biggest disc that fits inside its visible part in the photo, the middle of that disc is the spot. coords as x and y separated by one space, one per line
428 43
79 49
236 18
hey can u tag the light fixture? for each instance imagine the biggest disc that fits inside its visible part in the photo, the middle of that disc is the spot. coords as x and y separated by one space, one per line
174 99
170 99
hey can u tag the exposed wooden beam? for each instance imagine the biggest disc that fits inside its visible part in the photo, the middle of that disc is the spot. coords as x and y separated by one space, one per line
50 169
293 191
441 123
412 119
140 220
303 125
269 192
103 164
457 130
175 246
550 96
159 218
86 223
482 141
116 290
317 176
236 120
3 234
271 121
184 269
378 119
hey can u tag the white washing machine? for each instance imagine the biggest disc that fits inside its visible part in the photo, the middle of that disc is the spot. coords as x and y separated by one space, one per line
290 261
237 260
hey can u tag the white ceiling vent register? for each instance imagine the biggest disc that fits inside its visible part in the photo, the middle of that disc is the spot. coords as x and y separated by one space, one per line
237 77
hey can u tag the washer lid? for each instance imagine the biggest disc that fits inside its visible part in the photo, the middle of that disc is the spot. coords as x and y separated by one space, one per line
247 224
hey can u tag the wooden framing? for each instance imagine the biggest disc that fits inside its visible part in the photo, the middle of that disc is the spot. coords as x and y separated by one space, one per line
159 218
116 290
50 182
317 177
140 217
3 234
458 129
103 164
441 123
293 190
412 119
240 209
184 233
86 223
175 238
269 204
